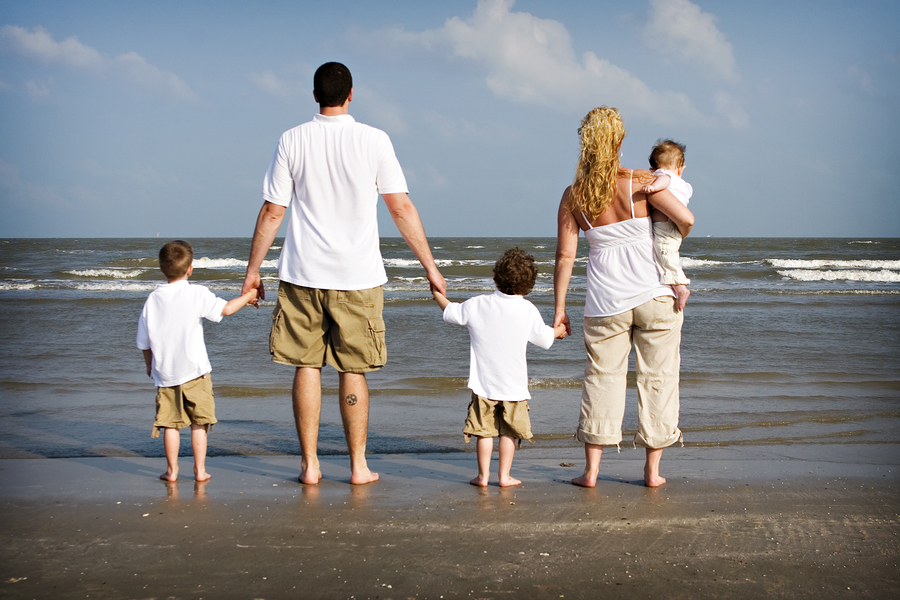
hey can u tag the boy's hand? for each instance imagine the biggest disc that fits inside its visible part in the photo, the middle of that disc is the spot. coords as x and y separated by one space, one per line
559 332
440 299
254 282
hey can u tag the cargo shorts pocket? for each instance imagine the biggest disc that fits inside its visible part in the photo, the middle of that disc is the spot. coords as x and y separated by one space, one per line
375 342
277 323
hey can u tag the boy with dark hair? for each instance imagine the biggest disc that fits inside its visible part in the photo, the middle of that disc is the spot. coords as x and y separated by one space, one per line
170 334
667 162
500 326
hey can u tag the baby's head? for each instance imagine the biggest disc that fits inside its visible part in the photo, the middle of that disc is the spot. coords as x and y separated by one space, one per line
667 154
175 259
515 273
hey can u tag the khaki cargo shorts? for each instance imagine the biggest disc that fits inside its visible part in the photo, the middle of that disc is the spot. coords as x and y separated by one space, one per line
490 418
313 327
190 403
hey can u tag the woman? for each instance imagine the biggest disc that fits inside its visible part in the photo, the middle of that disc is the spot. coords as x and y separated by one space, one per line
625 302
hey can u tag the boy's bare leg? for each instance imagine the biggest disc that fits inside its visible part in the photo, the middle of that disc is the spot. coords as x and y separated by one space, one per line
681 294
307 401
199 435
172 444
484 447
507 450
354 399
651 468
592 455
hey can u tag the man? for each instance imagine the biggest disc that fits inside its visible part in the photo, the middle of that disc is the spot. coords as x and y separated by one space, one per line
331 170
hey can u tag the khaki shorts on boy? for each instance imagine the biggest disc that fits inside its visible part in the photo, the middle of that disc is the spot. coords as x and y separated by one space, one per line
491 418
190 403
313 327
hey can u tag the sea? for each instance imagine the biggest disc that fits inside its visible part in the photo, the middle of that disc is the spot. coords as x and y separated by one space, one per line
790 345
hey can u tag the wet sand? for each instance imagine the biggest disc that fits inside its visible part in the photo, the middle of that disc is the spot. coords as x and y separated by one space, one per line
776 525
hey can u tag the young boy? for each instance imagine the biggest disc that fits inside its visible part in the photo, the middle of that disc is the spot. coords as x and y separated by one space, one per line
500 326
170 334
667 162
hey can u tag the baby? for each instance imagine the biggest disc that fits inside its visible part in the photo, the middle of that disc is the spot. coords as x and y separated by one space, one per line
667 162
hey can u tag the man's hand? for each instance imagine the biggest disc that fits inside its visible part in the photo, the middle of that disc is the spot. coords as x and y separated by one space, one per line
254 282
562 319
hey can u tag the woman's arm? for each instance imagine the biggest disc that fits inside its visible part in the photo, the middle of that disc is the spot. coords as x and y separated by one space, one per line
567 231
678 213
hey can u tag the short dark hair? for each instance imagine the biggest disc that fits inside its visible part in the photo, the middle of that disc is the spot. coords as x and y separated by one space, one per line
515 273
332 84
667 153
175 259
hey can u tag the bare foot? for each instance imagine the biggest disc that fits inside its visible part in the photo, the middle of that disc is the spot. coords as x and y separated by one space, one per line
309 474
479 481
202 476
509 482
654 481
363 477
681 293
585 480
170 476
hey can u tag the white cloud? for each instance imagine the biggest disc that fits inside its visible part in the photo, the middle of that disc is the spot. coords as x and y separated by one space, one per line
729 108
382 113
270 83
688 35
529 59
70 53
37 91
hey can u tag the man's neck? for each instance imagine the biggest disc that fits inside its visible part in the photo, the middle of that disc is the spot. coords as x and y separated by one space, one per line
334 111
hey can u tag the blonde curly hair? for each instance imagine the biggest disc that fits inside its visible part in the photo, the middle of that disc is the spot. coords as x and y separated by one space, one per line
594 187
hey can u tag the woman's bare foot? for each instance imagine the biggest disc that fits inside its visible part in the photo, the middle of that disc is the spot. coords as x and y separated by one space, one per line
509 482
170 475
201 475
654 481
479 481
652 477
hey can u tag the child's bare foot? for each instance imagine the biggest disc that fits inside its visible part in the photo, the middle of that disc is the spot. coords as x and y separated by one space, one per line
681 294
170 475
479 481
509 482
363 476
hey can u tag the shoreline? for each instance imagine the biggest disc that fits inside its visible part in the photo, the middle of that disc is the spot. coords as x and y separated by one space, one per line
721 527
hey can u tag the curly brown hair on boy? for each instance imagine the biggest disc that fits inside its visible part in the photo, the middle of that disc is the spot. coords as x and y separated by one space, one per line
175 258
515 273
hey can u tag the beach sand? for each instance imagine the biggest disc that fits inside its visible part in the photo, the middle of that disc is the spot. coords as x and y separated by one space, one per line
778 525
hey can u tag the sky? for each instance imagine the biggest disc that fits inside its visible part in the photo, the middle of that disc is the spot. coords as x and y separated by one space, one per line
143 119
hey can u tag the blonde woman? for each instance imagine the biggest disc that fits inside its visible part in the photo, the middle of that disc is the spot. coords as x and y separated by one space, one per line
625 303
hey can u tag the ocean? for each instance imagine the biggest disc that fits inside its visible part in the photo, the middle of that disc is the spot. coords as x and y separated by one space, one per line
789 346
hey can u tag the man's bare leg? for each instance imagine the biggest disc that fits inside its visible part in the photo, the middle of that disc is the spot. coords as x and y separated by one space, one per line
307 400
592 455
507 450
198 444
172 444
651 468
484 447
354 401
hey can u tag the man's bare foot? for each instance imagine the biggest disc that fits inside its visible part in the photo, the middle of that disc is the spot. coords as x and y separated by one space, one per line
170 476
309 473
681 295
585 480
654 481
363 477
509 482
479 481
202 476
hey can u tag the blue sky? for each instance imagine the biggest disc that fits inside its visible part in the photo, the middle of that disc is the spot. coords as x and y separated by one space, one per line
134 119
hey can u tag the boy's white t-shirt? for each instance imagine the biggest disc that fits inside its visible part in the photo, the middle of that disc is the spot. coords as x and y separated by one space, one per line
680 188
170 327
500 327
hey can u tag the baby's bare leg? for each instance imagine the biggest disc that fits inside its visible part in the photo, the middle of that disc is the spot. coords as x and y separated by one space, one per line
483 449
507 450
172 443
198 444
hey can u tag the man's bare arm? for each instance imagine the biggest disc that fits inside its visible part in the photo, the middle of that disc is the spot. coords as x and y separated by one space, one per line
406 218
267 224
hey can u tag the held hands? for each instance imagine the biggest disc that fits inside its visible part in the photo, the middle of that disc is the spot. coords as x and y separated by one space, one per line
559 332
254 282
561 319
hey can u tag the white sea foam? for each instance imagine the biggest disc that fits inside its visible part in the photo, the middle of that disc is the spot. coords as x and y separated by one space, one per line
834 264
883 276
695 263
113 273
229 263
112 286
17 287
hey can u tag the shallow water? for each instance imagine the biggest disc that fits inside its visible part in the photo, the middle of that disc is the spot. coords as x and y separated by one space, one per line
786 342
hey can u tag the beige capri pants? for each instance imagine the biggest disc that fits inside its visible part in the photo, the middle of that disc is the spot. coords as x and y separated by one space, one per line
654 328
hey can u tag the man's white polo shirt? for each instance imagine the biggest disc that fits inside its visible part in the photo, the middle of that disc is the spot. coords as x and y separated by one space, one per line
330 171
